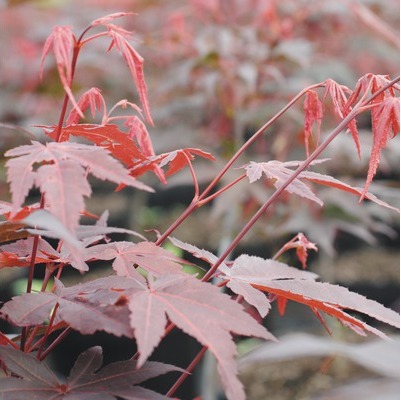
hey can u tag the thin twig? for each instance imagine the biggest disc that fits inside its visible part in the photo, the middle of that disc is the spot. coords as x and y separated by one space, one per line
187 372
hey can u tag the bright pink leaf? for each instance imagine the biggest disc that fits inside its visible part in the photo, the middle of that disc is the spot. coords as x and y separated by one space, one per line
302 245
280 172
332 300
62 175
62 41
200 310
248 270
385 126
108 18
340 96
93 99
134 61
146 255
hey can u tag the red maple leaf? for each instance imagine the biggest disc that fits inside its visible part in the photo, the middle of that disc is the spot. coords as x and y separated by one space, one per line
178 159
93 99
292 284
340 96
302 245
200 310
87 380
385 126
385 117
62 41
119 40
280 172
128 306
313 109
146 255
64 173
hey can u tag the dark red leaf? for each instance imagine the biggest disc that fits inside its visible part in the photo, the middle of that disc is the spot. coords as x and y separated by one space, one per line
94 302
84 383
28 367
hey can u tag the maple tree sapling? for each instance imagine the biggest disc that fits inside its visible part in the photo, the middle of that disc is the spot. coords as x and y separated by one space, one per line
148 292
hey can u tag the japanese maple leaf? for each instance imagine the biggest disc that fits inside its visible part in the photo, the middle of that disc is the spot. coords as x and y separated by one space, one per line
196 251
385 117
313 109
87 380
147 255
385 126
119 41
280 172
300 286
93 99
118 143
340 96
302 245
71 248
128 306
247 271
63 173
19 253
178 159
200 310
62 41
96 304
